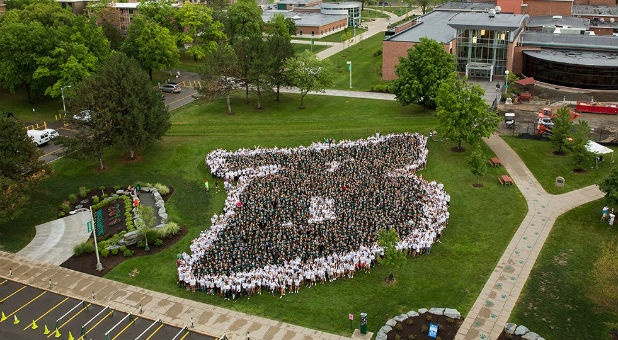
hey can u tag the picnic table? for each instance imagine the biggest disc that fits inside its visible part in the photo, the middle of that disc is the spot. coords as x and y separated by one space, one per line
494 162
505 180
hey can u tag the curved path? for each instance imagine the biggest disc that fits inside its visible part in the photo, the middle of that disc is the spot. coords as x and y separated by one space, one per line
495 303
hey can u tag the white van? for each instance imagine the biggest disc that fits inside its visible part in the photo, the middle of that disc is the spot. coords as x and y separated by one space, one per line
38 137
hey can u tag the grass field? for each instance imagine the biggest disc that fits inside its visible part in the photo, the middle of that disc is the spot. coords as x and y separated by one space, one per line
188 64
366 67
538 156
452 275
44 108
299 48
367 14
394 9
335 37
558 300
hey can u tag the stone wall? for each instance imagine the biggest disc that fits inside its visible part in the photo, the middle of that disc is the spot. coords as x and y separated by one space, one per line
448 312
522 331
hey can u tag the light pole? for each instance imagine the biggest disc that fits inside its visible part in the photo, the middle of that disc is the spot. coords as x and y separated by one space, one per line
96 248
64 108
350 69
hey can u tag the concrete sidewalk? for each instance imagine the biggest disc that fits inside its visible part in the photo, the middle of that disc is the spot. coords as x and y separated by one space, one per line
495 303
345 93
207 319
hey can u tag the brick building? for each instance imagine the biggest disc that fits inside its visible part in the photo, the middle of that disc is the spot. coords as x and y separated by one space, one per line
311 24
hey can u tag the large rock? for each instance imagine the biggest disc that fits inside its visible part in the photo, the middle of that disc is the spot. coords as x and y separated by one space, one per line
391 322
381 336
436 311
145 189
159 204
157 196
530 336
452 313
401 317
162 211
115 246
509 328
84 201
412 313
521 330
120 191
160 226
385 329
163 218
422 311
132 237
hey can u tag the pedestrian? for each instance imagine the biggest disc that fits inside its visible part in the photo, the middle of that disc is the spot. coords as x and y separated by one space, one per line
217 185
605 211
612 216
206 185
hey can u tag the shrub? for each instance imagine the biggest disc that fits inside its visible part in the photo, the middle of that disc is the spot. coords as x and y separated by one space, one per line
158 242
397 337
115 251
169 230
380 88
162 189
65 207
83 192
83 248
141 244
377 52
102 187
104 252
151 234
410 321
424 329
95 199
123 248
72 198
411 337
128 252
398 326
104 195
61 214
428 316
116 187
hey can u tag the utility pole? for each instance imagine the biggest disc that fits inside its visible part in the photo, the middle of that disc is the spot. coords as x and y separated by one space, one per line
64 108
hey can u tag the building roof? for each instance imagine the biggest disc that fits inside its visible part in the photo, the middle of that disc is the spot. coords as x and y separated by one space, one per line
588 58
476 20
595 10
312 19
558 21
606 42
125 4
466 6
433 25
343 4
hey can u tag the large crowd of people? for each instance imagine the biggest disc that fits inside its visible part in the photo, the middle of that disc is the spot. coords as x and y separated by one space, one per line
295 217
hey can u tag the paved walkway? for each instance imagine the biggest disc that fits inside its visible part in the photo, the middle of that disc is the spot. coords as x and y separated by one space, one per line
495 303
54 240
345 93
208 319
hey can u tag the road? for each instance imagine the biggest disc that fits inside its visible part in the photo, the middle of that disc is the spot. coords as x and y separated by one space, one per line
22 305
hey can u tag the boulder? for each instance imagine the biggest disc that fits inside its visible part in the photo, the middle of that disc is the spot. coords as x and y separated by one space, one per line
162 211
157 196
120 192
530 336
385 329
452 313
115 195
436 311
159 204
422 311
391 322
79 206
132 237
521 330
84 201
509 328
160 226
412 314
163 218
381 336
401 317
145 189
115 246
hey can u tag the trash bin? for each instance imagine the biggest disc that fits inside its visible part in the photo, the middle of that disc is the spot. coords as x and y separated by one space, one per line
363 323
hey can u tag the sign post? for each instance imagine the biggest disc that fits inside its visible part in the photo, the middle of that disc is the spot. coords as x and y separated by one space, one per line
89 224
351 317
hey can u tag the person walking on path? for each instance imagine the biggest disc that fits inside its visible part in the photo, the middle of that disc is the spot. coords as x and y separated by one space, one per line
605 211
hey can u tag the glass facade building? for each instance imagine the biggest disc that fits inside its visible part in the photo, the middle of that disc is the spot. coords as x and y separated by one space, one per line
482 47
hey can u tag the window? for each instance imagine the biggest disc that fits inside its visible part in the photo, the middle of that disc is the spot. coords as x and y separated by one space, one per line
482 46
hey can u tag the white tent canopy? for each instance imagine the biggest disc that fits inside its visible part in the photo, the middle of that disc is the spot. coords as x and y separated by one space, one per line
598 150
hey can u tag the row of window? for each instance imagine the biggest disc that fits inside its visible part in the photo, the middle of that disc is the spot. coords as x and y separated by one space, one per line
325 31
580 76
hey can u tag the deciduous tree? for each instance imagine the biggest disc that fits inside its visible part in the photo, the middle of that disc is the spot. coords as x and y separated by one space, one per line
279 46
562 128
219 74
582 158
393 258
422 72
200 31
308 73
478 163
610 186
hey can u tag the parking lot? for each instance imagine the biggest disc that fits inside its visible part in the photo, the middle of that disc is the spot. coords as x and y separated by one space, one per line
31 313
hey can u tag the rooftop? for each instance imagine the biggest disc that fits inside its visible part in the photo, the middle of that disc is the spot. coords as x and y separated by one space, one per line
501 21
603 59
125 4
466 6
569 40
294 2
343 4
595 10
312 19
433 25
558 21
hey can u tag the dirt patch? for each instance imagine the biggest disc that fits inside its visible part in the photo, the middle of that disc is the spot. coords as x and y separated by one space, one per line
128 160
579 171
477 185
458 149
87 263
418 327
559 153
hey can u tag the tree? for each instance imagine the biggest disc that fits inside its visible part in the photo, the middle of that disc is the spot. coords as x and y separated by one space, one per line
162 13
219 74
122 96
421 73
393 258
463 114
244 19
582 158
478 163
562 128
20 166
200 31
279 45
147 221
308 73
610 186
423 4
259 63
151 45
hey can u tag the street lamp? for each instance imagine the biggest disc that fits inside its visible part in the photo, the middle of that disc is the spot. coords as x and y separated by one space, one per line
350 69
64 108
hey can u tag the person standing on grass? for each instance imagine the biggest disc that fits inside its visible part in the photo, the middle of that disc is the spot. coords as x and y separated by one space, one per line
605 211
612 216
206 185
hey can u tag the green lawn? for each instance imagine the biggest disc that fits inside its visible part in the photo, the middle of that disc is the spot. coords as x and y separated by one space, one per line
188 64
335 37
452 275
367 14
559 300
298 48
366 67
44 108
538 156
394 9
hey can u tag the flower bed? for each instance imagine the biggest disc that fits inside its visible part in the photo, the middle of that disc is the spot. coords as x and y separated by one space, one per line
415 325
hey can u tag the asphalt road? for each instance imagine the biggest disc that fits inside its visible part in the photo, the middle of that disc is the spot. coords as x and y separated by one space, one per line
22 305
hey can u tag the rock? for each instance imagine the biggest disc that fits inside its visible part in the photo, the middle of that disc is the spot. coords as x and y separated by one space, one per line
381 336
79 206
391 323
540 338
146 189
157 196
115 195
509 328
530 336
159 204
412 314
422 311
160 226
132 237
84 201
162 211
452 313
154 190
120 191
163 218
385 329
401 317
521 330
436 311
115 246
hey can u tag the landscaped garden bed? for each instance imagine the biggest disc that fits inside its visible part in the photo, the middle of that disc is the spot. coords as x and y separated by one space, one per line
417 325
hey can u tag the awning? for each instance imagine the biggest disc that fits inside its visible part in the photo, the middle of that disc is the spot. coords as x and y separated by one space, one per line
597 148
526 81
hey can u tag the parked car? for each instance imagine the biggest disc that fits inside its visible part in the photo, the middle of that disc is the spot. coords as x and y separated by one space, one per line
39 137
171 88
85 116
52 133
